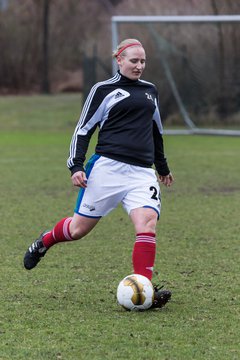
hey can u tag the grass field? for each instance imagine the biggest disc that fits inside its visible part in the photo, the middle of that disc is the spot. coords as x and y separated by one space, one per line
65 309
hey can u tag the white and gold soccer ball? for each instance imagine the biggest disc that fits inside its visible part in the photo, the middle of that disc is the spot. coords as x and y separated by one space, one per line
135 292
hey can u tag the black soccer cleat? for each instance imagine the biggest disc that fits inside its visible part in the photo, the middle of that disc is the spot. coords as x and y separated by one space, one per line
161 297
34 253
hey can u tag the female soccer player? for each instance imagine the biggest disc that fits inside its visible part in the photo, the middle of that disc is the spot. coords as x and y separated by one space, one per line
125 108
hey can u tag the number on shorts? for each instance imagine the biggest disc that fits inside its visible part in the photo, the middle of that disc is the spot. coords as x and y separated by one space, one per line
155 193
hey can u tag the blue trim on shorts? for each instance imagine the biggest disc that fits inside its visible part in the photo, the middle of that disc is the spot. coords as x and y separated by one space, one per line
89 167
88 216
151 207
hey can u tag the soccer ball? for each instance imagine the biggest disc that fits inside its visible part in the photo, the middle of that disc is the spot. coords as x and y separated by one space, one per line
135 292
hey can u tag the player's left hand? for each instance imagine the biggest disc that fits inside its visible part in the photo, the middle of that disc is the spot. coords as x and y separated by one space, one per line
166 180
79 179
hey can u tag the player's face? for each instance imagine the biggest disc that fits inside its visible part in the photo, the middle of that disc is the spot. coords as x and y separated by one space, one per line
132 63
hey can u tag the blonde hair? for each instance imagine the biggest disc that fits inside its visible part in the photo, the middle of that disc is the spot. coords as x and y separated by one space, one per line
125 44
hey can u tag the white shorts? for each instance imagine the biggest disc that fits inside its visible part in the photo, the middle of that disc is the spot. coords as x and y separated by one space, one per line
111 182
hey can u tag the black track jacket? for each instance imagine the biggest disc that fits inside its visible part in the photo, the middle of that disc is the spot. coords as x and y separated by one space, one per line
130 129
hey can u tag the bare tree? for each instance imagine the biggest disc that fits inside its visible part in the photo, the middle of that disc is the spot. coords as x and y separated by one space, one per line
45 46
221 72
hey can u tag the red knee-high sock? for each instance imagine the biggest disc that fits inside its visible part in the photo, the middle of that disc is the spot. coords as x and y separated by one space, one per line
59 233
143 255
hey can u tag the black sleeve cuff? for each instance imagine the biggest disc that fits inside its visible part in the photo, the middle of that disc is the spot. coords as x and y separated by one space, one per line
163 169
76 168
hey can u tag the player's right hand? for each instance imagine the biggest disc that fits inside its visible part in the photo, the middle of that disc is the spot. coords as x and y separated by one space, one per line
79 179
